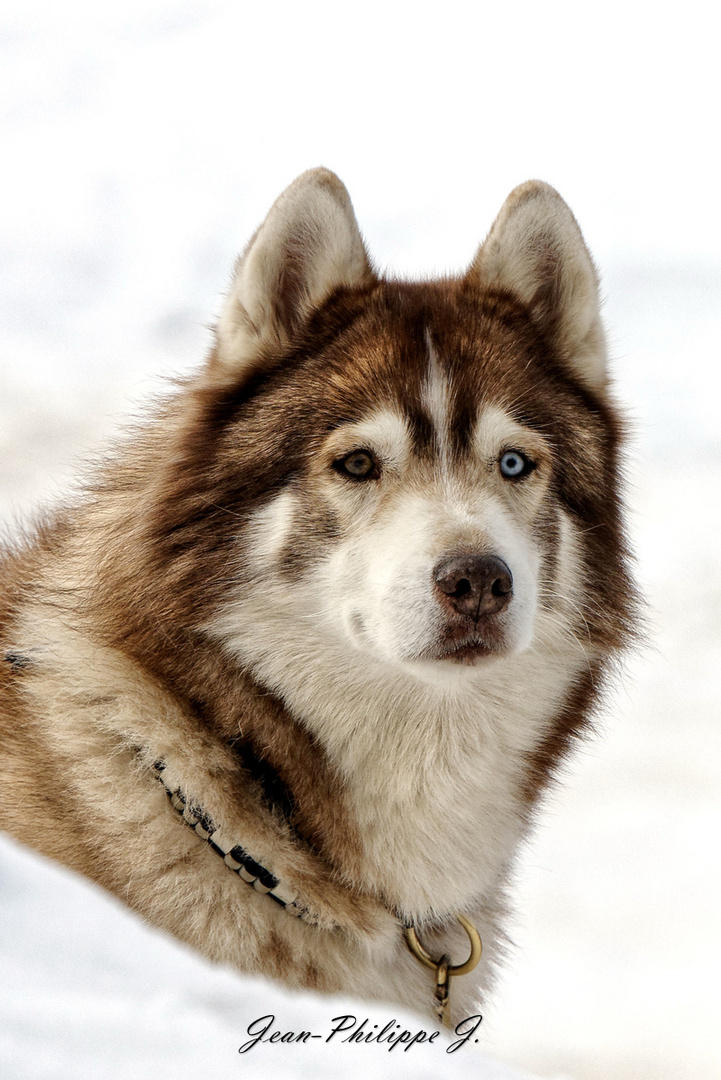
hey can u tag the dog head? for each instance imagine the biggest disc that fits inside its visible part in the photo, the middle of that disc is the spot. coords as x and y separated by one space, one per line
412 472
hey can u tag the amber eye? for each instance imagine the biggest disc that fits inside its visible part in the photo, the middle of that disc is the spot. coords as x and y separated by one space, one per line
358 465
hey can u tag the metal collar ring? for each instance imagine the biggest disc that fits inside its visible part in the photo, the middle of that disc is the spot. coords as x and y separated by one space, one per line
454 969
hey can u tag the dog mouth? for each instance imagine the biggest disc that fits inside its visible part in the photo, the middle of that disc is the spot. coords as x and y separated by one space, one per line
469 652
468 648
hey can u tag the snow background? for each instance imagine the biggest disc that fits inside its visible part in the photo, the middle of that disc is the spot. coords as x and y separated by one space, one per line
141 146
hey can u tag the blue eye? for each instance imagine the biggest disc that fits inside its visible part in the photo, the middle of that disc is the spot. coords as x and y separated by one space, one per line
514 465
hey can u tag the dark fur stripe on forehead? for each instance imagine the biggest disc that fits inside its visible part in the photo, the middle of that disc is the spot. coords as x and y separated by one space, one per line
426 443
461 428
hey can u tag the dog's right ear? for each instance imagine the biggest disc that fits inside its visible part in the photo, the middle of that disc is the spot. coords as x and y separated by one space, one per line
308 246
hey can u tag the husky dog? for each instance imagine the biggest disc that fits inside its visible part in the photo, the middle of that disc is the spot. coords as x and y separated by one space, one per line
327 623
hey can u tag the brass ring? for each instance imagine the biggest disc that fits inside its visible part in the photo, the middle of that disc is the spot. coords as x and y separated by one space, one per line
455 969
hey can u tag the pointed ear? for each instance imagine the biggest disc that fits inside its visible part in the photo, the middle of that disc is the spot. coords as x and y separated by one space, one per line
536 251
308 246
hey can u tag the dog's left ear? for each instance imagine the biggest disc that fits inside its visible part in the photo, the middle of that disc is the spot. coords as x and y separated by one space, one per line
536 251
308 246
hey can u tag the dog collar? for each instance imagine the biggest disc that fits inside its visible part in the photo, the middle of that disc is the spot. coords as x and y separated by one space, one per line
258 877
233 854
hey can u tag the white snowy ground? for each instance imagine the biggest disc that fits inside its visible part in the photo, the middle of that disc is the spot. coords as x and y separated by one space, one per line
140 148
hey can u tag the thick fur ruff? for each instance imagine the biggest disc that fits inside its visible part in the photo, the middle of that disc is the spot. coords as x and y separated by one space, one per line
358 583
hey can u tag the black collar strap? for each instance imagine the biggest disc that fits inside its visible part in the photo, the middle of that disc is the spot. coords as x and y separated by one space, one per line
235 857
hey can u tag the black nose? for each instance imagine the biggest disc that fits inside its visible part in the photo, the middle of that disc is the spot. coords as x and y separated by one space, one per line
474 585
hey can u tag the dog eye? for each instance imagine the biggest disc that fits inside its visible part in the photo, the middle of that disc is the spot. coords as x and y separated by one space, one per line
358 465
514 465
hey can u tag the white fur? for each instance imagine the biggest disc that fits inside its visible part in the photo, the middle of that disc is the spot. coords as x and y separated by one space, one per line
426 763
270 529
437 400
